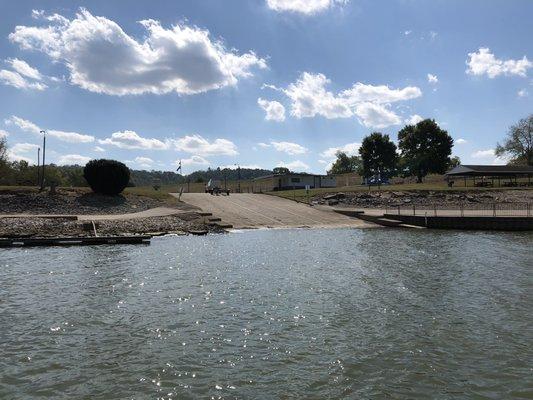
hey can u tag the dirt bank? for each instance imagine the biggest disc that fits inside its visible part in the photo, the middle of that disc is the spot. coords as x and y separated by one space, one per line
59 227
72 201
439 198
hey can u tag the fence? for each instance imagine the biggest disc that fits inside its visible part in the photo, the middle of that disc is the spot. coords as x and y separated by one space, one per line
465 210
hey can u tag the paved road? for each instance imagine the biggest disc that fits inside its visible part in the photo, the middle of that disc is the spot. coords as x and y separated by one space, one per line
260 210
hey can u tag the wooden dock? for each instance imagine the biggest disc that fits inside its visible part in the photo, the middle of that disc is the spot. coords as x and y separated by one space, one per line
74 241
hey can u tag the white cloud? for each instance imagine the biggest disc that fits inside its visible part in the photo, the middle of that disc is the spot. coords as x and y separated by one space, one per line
407 33
488 156
11 155
307 7
483 153
327 164
24 147
433 35
274 110
367 102
196 144
73 159
11 78
3 134
28 126
289 148
483 62
263 145
295 166
432 78
414 119
374 115
23 68
99 149
182 59
351 149
460 141
144 162
523 93
380 94
194 160
71 137
132 140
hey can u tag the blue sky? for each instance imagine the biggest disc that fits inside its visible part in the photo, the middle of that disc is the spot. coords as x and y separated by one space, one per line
258 82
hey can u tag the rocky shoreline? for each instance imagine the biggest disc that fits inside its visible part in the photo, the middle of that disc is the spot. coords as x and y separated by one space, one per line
72 201
438 198
80 202
63 227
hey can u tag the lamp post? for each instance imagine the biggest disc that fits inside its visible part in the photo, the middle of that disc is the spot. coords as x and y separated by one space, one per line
44 158
238 178
38 166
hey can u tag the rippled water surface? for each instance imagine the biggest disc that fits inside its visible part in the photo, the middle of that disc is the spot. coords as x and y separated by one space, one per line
274 314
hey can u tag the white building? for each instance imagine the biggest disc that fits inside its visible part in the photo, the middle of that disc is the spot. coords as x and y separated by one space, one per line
291 180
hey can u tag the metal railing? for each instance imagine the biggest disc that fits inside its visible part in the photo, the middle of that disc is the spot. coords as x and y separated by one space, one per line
465 210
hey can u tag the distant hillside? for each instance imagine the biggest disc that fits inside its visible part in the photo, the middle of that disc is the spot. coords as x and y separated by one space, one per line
20 173
226 173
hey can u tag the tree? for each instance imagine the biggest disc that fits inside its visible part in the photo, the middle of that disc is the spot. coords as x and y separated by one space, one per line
455 161
106 176
379 156
4 168
345 164
281 171
425 149
519 142
3 150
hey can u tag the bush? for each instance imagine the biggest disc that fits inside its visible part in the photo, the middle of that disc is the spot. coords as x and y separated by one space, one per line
106 176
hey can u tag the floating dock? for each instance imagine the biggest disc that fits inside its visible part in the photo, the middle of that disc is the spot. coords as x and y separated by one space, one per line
499 223
74 241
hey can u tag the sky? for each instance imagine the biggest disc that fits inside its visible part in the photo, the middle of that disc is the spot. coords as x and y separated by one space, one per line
257 83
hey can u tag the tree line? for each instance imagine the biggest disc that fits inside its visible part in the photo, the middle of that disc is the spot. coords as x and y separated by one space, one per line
20 173
425 148
422 149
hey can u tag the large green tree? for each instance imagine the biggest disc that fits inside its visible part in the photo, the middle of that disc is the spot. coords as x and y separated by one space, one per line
378 154
425 149
345 163
519 142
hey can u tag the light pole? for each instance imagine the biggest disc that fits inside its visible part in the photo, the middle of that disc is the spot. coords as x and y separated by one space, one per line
44 158
238 178
38 166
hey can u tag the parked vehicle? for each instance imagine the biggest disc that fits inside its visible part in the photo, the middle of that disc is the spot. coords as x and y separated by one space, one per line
214 187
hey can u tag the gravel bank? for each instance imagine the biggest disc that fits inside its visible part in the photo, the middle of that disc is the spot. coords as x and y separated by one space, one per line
72 201
59 227
441 199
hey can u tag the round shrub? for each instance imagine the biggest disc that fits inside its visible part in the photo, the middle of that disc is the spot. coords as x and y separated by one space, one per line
106 176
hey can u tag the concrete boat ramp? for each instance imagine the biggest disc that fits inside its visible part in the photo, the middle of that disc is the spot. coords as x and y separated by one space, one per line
246 210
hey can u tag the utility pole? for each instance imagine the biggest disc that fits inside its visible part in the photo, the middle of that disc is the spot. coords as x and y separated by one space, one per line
44 158
38 166
239 178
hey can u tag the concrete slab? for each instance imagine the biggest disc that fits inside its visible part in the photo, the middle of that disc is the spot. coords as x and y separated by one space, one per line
247 210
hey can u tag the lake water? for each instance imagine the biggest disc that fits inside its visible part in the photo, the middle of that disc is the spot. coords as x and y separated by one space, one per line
270 314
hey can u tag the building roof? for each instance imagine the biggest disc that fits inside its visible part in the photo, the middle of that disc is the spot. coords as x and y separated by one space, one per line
491 170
